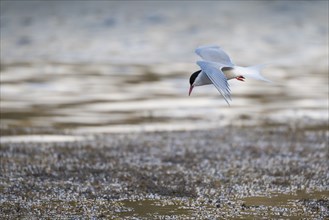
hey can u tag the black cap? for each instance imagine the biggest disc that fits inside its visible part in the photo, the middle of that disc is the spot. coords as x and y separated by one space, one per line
194 76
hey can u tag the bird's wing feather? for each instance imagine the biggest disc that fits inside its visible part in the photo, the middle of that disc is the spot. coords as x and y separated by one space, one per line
217 77
214 54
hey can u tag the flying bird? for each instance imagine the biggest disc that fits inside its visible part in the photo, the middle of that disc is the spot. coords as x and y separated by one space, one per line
217 68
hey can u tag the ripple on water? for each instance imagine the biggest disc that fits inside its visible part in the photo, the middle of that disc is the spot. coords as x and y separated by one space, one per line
41 138
62 98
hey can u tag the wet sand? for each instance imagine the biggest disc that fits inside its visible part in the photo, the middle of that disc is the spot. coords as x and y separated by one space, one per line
96 122
268 171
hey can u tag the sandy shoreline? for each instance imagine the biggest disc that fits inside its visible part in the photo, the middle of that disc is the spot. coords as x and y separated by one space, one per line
96 121
230 172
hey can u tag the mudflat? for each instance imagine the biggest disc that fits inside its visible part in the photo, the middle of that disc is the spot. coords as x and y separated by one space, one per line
270 170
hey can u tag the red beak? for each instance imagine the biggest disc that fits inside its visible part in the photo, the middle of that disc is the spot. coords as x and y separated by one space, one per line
189 92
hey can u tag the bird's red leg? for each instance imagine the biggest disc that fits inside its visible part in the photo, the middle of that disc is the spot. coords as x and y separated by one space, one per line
241 78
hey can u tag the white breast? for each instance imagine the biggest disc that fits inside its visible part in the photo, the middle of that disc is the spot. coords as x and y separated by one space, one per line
230 73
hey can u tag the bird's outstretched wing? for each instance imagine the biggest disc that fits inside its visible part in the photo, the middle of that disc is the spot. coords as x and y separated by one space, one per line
217 77
214 54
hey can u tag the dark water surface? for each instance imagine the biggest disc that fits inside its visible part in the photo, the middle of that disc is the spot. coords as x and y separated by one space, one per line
123 98
119 67
96 121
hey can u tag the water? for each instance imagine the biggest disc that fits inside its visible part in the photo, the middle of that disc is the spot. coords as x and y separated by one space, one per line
123 66
72 70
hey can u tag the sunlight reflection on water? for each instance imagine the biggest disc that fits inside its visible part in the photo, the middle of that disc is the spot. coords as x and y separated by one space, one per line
129 71
96 99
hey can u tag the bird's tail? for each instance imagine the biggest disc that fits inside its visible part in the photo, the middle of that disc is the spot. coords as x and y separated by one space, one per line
254 72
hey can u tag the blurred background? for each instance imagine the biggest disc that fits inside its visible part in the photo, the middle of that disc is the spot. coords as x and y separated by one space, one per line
122 66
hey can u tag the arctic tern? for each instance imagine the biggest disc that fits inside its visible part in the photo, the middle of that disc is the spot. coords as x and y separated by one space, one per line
217 68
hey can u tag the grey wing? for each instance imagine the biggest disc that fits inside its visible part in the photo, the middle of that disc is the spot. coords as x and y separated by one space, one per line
214 54
217 77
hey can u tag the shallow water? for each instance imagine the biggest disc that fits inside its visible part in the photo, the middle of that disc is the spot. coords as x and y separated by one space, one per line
125 67
274 205
108 98
71 72
132 72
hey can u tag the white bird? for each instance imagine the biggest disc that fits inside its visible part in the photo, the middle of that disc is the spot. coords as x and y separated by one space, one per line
217 68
